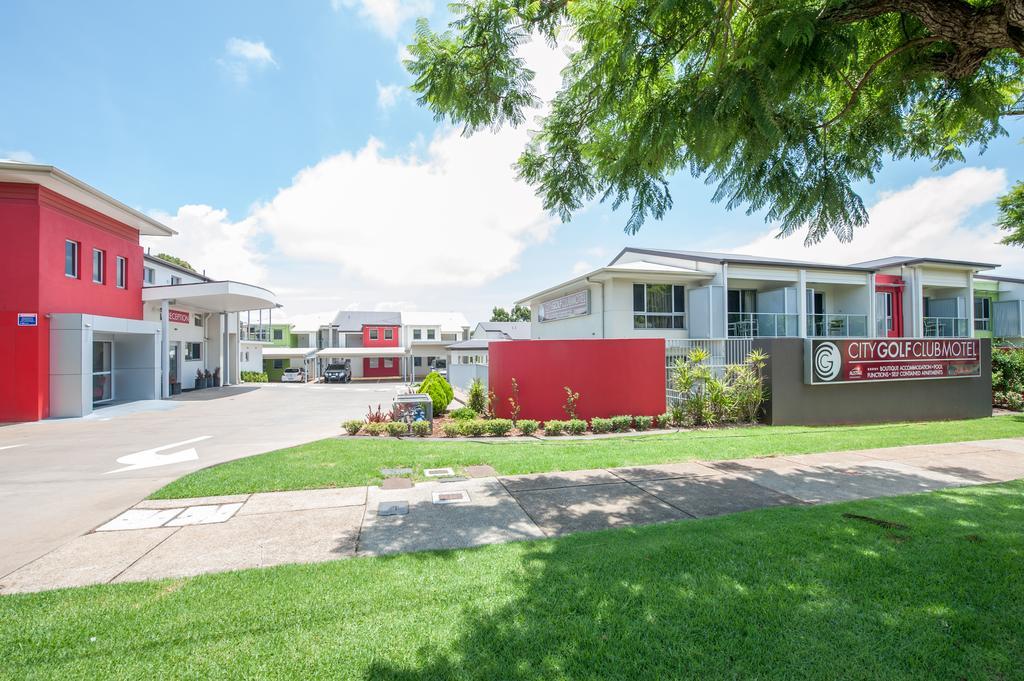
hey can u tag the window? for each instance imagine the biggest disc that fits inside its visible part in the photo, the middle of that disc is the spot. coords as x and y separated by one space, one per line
982 313
122 272
389 334
193 351
374 334
98 258
148 275
430 361
430 334
71 259
417 361
278 334
659 306
374 363
197 319
175 280
279 364
388 363
417 334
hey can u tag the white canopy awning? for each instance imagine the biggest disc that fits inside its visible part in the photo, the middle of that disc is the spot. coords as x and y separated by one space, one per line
362 352
288 353
214 296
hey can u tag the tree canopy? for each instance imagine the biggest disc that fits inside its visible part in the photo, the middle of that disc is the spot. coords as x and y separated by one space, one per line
519 313
175 260
782 105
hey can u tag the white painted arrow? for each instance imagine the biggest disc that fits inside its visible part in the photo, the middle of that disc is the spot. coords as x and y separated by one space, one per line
148 458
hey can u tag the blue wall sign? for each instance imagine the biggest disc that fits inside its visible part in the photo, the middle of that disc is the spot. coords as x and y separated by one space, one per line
28 319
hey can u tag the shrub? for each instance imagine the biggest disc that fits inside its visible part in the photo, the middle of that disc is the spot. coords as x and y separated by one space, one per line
373 428
571 399
513 402
439 390
600 425
452 429
499 427
622 424
396 428
527 426
663 420
1008 377
255 377
474 428
643 422
476 399
421 428
463 414
678 413
554 427
576 426
377 416
353 426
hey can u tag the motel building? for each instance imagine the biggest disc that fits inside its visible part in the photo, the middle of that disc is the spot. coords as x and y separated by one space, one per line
87 317
688 296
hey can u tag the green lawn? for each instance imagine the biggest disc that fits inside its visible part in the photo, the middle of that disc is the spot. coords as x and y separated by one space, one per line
345 462
784 593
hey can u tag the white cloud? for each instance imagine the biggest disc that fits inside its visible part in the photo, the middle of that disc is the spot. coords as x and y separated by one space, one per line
581 267
929 218
209 241
387 95
21 156
387 16
244 57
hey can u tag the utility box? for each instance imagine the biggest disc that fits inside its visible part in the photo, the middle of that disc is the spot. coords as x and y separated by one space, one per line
415 407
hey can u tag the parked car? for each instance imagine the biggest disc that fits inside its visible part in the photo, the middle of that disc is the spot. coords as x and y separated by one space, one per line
440 366
294 375
338 373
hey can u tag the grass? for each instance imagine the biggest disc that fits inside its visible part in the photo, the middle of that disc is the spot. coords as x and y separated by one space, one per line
342 462
784 593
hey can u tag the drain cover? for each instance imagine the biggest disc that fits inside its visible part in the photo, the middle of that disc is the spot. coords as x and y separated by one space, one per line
393 508
453 478
460 497
438 472
396 471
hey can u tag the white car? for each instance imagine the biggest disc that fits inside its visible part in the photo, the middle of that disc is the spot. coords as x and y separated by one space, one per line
294 375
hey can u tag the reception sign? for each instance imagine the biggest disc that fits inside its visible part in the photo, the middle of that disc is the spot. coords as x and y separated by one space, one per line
177 316
573 305
828 361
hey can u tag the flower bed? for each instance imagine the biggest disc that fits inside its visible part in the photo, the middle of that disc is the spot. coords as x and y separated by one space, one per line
461 428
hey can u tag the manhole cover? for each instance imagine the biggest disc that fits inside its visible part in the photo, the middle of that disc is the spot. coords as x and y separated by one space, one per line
396 471
393 508
459 497
438 472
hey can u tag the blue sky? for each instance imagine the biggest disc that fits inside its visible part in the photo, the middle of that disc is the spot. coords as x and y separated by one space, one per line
280 141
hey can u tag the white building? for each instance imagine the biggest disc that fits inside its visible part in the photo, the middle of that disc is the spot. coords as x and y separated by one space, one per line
468 359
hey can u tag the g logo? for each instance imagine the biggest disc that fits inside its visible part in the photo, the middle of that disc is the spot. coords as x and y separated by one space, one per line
827 361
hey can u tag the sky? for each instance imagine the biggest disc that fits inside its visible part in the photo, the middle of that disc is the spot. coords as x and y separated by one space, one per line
282 142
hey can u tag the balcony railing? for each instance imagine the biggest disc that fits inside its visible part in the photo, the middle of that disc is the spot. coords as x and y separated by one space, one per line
982 324
837 325
256 335
771 324
945 327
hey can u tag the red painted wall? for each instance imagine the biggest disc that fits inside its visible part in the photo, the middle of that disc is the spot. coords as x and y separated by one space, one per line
394 371
612 376
380 342
35 222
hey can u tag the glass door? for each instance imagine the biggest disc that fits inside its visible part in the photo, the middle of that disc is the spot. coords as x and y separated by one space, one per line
172 364
884 314
102 378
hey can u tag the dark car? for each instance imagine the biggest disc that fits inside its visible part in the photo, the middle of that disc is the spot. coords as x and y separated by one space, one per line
338 373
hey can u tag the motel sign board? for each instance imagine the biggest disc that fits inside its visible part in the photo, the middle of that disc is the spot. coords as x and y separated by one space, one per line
829 361
572 305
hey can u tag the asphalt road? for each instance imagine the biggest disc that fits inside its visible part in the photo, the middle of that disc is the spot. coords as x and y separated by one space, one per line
61 478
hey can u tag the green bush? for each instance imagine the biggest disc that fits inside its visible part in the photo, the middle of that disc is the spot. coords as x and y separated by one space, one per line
663 420
499 427
474 428
255 377
1008 377
622 424
527 426
555 427
643 422
463 414
452 429
678 412
421 428
576 426
352 427
396 428
476 399
374 429
600 425
439 390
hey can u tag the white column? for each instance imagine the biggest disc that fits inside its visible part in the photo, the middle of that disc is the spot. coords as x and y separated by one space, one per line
165 351
801 303
918 306
872 324
725 301
970 305
225 376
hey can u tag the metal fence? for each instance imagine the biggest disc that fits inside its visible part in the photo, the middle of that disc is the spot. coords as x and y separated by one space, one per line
722 352
461 375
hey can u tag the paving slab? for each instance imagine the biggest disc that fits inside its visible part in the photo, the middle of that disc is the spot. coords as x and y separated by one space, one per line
1006 445
522 483
831 458
94 558
890 478
205 515
491 516
396 483
262 540
480 471
195 501
982 467
812 485
910 451
564 510
396 471
662 471
303 500
140 519
703 497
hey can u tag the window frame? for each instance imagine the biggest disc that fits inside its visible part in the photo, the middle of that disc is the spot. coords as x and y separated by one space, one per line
191 356
374 363
417 334
100 272
676 317
986 320
148 275
417 361
374 334
389 334
277 334
121 271
175 280
76 259
430 334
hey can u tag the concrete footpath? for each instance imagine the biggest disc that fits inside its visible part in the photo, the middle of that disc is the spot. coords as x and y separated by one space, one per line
184 537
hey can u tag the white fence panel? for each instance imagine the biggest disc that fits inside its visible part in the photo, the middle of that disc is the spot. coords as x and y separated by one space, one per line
722 352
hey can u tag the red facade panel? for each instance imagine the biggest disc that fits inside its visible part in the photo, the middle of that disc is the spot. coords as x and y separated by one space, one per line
612 376
377 336
382 370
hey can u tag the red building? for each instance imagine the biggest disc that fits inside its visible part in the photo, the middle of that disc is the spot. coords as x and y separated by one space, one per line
382 336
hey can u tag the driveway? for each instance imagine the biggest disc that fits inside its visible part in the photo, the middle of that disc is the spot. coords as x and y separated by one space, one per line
60 478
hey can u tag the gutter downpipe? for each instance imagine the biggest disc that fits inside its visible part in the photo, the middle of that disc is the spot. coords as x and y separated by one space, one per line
602 305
